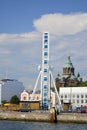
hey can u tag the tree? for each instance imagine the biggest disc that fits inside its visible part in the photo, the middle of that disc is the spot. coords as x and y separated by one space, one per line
14 99
4 101
53 89
83 84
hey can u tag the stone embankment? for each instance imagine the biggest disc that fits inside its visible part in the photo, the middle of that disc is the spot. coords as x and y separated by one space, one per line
43 116
25 116
72 118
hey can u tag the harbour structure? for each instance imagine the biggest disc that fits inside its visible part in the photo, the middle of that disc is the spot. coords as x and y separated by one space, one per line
68 78
9 88
45 76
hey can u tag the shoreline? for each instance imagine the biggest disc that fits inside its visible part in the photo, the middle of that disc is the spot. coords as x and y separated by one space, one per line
44 116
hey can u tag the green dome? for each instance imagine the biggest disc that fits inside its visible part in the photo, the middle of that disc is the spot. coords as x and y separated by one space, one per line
65 76
68 63
73 77
79 78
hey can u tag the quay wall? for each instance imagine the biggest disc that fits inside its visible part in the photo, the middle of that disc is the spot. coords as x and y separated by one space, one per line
25 116
72 118
43 117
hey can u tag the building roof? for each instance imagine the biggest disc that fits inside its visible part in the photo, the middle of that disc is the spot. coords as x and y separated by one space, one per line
67 90
68 63
72 77
5 80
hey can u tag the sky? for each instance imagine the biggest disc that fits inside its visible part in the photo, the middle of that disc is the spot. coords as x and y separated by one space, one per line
22 23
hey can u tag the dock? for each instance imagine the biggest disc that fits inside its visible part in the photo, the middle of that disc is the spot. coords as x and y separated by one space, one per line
43 116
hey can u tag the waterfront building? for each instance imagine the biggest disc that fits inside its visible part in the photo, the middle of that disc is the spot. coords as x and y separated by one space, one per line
68 78
26 96
9 88
76 96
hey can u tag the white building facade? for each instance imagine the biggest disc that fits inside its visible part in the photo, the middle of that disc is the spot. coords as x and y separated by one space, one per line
9 88
77 96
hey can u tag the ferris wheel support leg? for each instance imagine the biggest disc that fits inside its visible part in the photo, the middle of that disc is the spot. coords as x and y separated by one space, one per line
35 86
56 91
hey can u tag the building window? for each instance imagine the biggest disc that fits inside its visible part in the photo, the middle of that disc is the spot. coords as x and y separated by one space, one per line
85 101
37 98
77 101
77 96
65 96
86 96
24 98
81 96
82 101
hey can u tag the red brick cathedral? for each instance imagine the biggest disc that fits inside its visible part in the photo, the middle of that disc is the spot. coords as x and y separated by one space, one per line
68 78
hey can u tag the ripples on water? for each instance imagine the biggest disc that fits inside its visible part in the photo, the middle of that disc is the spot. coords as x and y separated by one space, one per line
15 125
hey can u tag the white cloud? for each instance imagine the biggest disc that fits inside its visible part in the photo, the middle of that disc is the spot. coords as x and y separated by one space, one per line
4 51
19 38
62 24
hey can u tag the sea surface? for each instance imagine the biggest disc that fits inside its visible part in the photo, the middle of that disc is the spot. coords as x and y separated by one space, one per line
21 125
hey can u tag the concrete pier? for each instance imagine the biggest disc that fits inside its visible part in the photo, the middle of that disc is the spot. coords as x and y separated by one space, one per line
43 117
72 118
25 116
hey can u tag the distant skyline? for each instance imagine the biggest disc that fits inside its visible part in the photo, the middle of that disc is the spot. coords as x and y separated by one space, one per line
22 23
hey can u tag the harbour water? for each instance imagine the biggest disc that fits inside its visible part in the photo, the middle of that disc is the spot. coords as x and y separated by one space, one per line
20 125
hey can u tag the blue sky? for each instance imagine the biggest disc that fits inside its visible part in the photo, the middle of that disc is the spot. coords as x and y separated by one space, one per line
22 23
